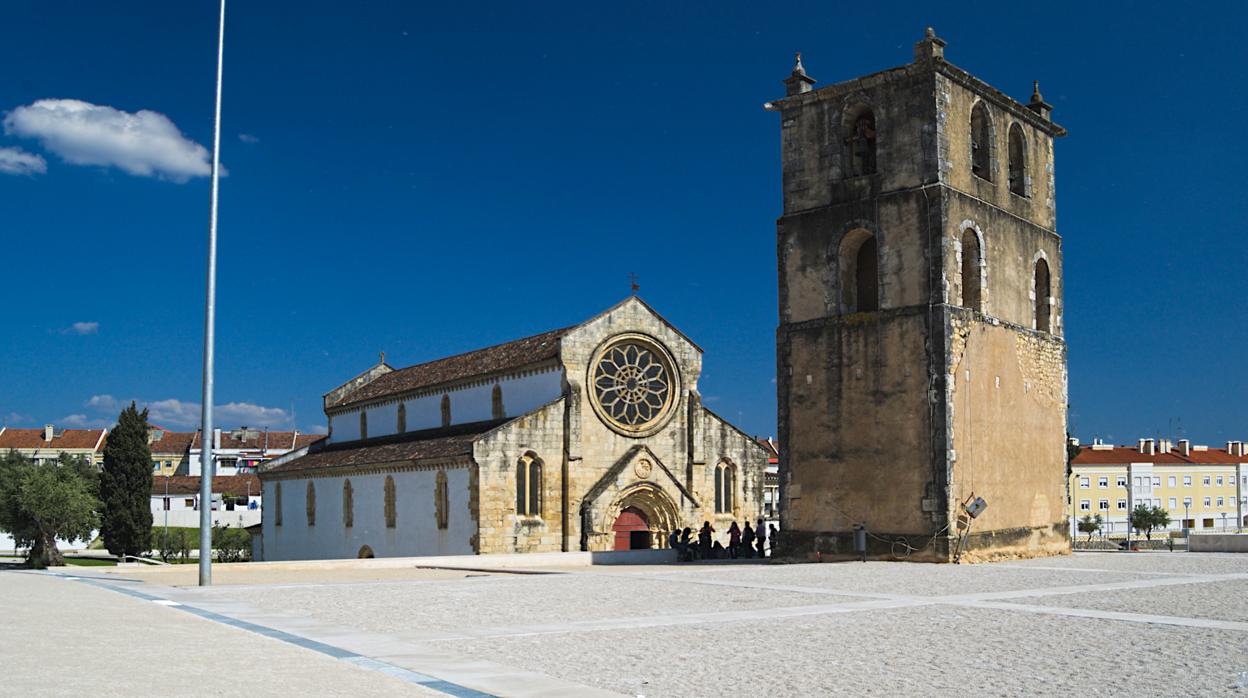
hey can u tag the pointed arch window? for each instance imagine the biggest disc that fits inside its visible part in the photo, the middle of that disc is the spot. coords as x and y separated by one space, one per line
446 410
1018 161
348 504
363 424
497 410
391 514
441 497
972 266
1044 303
277 504
725 488
402 417
860 137
981 142
311 503
860 275
529 486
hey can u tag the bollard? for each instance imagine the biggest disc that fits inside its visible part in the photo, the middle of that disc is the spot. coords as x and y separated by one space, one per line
860 541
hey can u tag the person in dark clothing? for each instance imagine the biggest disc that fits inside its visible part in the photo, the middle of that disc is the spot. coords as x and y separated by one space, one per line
762 539
747 541
773 535
687 548
734 539
704 539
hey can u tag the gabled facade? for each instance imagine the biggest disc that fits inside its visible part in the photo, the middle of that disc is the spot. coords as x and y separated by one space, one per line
590 437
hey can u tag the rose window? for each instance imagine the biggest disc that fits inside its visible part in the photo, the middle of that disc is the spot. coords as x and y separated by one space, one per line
633 385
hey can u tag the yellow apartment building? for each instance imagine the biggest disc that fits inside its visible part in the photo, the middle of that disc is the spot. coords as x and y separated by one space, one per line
1203 488
48 443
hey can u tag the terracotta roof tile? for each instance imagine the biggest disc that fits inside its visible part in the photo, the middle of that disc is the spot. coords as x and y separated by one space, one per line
33 438
1120 455
521 352
256 439
429 444
173 442
236 485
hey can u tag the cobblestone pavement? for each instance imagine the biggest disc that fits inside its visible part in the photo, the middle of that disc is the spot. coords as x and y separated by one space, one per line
1092 624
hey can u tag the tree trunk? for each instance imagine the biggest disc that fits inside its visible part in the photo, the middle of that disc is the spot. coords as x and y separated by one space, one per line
44 552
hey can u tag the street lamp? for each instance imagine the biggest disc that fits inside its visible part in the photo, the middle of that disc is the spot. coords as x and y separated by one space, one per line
210 322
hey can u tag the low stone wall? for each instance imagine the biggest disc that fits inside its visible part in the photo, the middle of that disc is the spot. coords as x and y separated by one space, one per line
1218 543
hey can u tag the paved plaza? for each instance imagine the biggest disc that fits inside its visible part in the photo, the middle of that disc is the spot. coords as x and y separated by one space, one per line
1088 624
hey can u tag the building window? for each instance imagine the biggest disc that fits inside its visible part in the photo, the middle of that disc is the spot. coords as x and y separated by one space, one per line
441 505
1219 481
1102 482
1156 481
1187 502
496 402
446 410
860 137
402 418
1122 480
860 272
1221 502
348 505
1170 481
1187 480
1122 505
363 424
166 504
311 496
1103 505
1042 309
277 504
972 263
529 486
725 488
1205 480
981 142
389 503
1174 504
1208 502
190 503
1085 505
1085 483
1018 161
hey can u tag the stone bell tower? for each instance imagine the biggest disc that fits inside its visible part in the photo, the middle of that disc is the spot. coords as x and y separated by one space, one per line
920 354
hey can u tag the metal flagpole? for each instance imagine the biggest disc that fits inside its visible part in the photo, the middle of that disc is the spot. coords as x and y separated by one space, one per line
207 467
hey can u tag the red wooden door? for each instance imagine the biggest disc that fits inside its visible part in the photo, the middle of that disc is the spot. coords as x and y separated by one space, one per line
630 521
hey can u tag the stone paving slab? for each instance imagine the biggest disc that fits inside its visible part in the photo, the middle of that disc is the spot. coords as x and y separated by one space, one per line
1144 624
65 638
930 650
1227 600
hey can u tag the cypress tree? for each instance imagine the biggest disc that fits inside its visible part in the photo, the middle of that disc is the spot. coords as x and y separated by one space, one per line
126 486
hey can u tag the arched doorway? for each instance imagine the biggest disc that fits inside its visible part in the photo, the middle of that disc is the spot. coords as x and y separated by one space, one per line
366 553
632 530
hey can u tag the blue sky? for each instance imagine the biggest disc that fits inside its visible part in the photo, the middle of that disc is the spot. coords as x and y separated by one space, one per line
425 179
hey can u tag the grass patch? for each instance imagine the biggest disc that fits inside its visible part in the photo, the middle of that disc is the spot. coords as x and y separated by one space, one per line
89 562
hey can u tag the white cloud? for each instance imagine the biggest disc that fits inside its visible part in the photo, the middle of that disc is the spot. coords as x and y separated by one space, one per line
81 328
15 418
248 138
177 413
101 402
144 143
82 421
19 162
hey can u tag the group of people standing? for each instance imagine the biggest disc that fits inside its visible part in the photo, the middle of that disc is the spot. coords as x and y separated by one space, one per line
748 542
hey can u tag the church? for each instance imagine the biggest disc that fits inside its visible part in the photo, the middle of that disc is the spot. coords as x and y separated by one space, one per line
587 438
